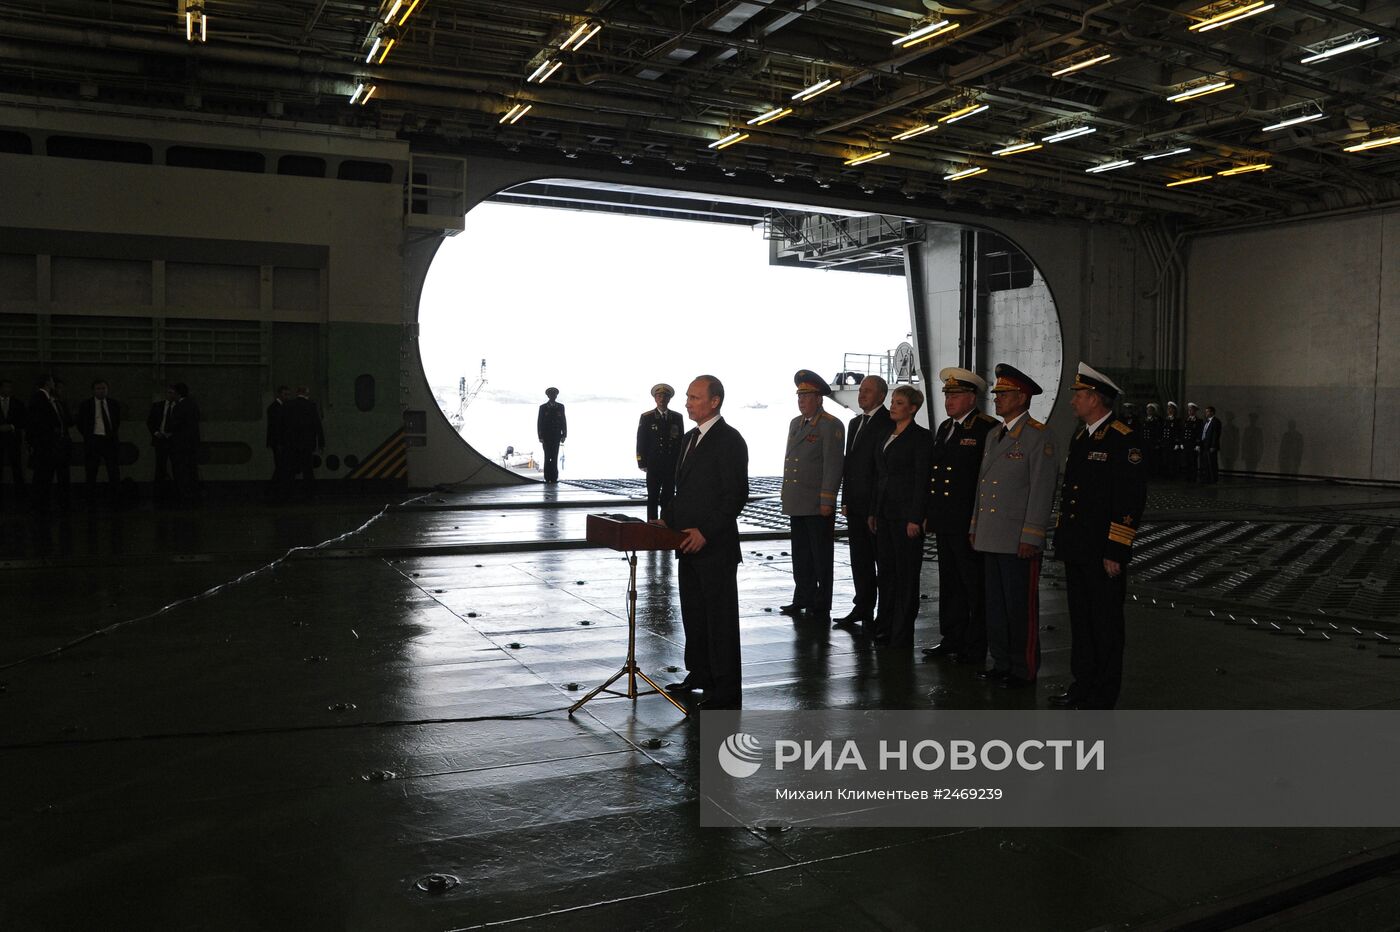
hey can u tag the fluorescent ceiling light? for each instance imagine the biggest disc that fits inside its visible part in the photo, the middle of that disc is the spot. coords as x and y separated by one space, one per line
916 131
409 12
1192 180
515 113
1166 153
965 112
388 47
1305 118
1232 15
372 49
542 73
1013 149
1086 63
777 113
1246 169
1373 144
821 87
924 33
368 94
965 173
1337 50
1109 166
1200 90
389 17
729 140
579 30
359 89
579 36
1070 133
867 157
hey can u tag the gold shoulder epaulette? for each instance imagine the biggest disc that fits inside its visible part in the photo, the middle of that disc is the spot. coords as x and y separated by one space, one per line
1121 427
983 416
1032 422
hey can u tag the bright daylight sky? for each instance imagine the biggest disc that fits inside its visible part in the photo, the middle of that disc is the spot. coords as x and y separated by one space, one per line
605 305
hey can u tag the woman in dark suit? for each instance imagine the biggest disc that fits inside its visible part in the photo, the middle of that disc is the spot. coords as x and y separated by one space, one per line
901 491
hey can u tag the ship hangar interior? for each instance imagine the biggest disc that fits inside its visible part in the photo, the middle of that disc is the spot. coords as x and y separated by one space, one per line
351 714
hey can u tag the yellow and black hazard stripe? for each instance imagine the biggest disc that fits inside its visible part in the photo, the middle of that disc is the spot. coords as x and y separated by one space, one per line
388 461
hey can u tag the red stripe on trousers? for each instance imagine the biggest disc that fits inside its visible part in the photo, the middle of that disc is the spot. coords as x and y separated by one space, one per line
1033 618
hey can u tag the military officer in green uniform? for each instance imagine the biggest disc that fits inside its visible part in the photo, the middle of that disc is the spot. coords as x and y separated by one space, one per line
658 446
811 479
1101 505
957 456
1015 489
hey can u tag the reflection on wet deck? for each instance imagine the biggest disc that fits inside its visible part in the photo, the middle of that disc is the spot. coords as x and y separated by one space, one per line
257 742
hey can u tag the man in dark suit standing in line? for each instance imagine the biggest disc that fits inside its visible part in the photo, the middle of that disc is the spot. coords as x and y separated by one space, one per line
158 423
712 486
277 442
99 421
46 432
866 434
305 437
12 421
958 444
552 428
658 444
1210 447
184 442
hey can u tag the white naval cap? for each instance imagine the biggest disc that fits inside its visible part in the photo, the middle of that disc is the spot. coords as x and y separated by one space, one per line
1091 378
955 380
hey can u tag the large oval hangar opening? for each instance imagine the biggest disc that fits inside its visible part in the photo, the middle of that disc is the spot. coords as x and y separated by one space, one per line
603 290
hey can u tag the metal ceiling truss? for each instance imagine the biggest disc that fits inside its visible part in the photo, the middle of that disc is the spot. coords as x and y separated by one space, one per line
634 81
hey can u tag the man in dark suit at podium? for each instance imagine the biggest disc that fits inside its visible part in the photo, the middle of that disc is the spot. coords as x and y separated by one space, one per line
712 485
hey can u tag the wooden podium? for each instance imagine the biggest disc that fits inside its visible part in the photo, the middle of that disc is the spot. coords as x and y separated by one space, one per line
629 537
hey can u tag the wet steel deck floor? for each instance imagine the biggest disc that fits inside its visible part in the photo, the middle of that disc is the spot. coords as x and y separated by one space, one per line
253 718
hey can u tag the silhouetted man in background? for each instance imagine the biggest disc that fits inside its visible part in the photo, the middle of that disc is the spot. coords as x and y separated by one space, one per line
13 417
99 421
158 423
304 437
277 442
552 428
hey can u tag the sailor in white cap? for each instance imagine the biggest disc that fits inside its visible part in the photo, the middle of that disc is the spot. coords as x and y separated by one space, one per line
1101 503
1190 442
659 432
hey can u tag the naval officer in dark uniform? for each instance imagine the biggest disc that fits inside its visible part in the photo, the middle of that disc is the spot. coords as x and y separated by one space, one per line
658 444
552 429
811 478
957 456
1101 505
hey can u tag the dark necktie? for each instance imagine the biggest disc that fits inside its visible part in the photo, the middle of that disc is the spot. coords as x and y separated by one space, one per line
1002 436
690 447
860 422
165 417
106 419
